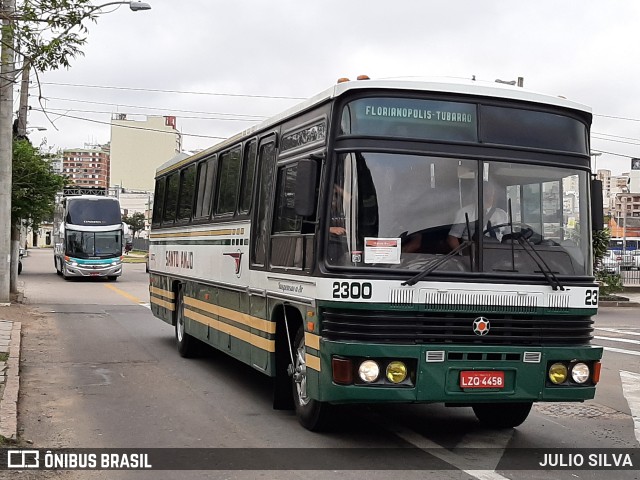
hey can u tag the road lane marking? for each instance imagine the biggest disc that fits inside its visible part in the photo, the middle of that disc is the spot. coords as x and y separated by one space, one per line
446 455
631 391
616 330
128 296
620 350
617 339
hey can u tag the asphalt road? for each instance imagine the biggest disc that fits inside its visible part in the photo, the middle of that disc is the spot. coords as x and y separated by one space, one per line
98 370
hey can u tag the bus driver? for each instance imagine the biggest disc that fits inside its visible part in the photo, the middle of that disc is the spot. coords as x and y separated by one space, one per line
493 216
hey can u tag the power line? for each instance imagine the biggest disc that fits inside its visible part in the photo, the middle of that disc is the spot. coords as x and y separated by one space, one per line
257 117
132 126
157 90
251 120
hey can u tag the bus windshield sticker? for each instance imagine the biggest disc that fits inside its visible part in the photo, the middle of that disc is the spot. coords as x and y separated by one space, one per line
381 250
402 117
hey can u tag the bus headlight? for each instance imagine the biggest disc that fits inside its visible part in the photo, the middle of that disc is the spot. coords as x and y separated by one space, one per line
580 372
396 372
558 373
369 371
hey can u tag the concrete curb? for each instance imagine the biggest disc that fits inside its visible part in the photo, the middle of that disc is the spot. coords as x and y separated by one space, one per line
9 400
609 303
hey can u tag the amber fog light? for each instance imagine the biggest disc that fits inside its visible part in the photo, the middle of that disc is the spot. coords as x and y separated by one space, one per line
369 371
558 373
580 372
396 372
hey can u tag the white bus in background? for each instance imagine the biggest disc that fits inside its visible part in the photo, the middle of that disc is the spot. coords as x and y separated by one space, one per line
88 235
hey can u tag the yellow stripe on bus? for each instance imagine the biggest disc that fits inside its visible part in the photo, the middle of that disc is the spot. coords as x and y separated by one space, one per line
312 362
163 303
311 340
243 318
162 293
255 340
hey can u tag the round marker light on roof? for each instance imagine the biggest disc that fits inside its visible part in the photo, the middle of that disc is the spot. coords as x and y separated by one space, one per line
558 373
343 79
396 372
363 77
580 372
369 371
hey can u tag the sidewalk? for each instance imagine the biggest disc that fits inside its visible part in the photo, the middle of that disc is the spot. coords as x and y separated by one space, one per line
9 377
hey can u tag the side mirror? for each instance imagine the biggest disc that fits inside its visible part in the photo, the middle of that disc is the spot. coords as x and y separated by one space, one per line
597 212
305 189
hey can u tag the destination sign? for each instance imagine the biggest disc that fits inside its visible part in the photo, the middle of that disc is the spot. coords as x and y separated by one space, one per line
411 118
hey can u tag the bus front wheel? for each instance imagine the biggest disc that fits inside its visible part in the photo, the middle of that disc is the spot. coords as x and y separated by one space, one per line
312 414
502 415
186 343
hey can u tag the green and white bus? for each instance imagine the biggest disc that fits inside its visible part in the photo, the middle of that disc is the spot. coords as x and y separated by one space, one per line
335 248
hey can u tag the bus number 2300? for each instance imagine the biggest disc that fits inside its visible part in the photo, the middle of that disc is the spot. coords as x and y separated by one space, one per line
354 290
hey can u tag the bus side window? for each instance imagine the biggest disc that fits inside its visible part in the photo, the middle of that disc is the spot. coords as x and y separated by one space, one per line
248 174
158 201
228 179
260 231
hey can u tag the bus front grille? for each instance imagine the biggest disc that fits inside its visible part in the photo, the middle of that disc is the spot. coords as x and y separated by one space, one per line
457 328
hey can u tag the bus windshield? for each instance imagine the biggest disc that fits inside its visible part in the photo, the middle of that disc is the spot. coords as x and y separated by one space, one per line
403 211
94 244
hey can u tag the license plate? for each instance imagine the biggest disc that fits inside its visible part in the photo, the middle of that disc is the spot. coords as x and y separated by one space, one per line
481 379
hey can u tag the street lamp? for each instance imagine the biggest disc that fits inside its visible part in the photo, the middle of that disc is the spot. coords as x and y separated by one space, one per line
595 156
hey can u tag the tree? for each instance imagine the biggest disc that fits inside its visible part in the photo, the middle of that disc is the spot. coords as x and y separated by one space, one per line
135 222
35 186
33 193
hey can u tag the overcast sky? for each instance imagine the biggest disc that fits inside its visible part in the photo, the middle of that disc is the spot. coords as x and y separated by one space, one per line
244 61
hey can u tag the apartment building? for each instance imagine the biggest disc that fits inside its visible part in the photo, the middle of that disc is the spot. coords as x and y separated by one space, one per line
87 167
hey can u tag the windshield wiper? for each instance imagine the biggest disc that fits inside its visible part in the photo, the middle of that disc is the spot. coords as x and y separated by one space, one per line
528 247
440 261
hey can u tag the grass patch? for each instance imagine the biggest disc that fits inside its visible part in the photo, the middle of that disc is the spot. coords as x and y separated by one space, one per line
128 259
4 357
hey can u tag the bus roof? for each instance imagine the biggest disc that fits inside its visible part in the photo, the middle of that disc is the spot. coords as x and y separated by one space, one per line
459 87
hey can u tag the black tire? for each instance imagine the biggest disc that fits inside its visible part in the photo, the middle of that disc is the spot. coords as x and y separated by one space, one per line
187 345
58 271
19 267
112 278
312 414
502 415
62 272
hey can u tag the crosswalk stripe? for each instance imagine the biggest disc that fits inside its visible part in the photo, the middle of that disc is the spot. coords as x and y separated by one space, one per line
631 391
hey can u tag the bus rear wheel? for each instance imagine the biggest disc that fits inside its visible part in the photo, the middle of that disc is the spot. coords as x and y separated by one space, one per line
502 415
186 343
312 414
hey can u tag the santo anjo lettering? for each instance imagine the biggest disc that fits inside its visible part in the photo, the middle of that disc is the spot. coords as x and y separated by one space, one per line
178 259
418 113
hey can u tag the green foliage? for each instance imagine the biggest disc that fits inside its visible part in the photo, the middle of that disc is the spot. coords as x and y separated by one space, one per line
49 33
34 185
609 282
600 244
135 222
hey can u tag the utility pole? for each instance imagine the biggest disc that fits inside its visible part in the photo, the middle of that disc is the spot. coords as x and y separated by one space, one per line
24 99
7 76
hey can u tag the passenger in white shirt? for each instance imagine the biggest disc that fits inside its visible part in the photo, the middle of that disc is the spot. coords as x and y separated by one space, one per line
493 216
